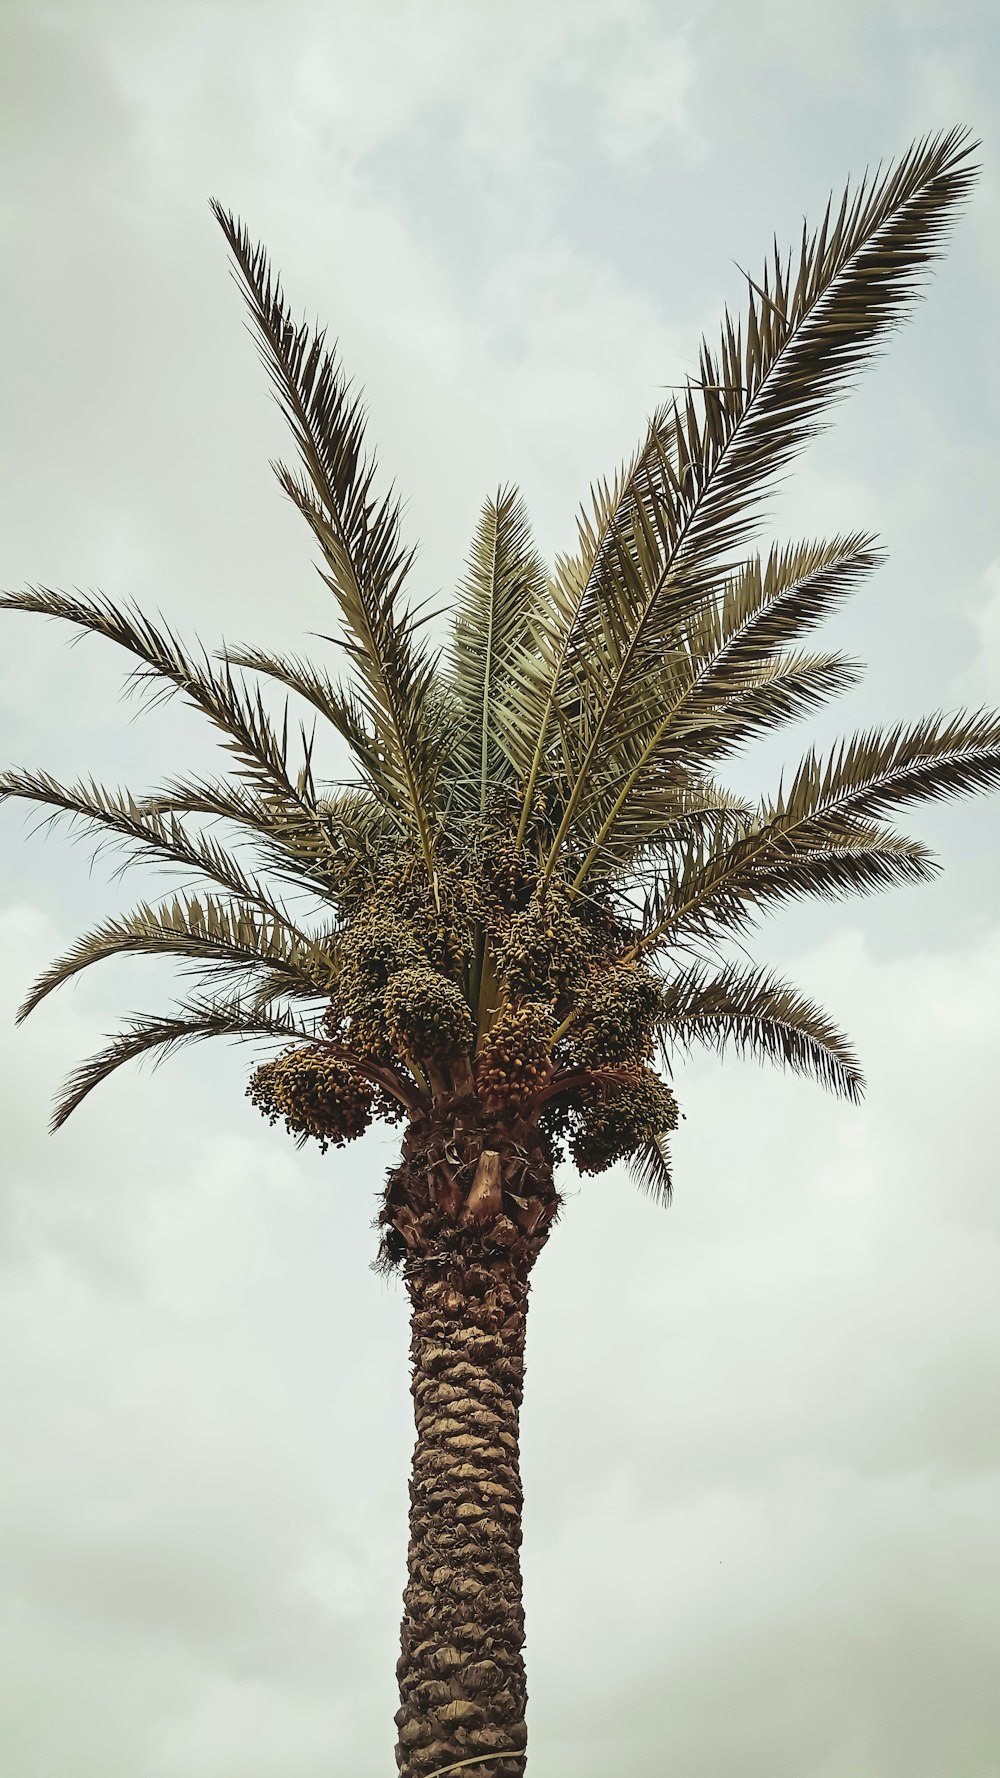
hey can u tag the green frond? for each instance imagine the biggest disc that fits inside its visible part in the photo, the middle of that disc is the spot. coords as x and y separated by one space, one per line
787 688
191 1022
298 852
731 644
696 493
755 1013
819 837
768 605
503 585
935 758
268 985
219 938
364 562
639 775
810 327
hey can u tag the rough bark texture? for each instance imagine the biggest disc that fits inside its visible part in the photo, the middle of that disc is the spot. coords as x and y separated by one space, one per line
470 1250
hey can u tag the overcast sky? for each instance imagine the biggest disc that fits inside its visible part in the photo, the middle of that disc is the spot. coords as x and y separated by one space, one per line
761 1443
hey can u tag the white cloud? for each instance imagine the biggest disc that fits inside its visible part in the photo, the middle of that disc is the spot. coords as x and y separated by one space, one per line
751 1424
650 93
983 678
760 1441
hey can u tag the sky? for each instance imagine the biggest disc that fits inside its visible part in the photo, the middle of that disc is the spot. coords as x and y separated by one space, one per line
761 1451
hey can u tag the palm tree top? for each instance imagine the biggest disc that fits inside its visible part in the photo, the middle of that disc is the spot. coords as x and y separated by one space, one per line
527 891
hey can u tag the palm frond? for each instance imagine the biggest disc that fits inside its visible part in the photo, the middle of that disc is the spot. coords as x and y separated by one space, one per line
934 758
534 678
639 778
220 938
261 754
759 1015
768 604
145 833
672 815
307 854
192 1021
787 688
365 562
818 837
268 985
700 890
689 710
696 493
340 707
504 583
650 1166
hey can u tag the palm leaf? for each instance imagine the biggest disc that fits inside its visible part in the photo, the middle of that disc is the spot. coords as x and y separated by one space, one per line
713 695
219 937
638 780
504 582
674 815
341 708
650 1166
696 493
818 837
261 754
701 890
533 680
145 832
934 758
352 828
365 563
768 604
759 1015
192 1021
785 689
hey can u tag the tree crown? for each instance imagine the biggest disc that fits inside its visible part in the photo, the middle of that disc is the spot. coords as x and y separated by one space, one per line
526 895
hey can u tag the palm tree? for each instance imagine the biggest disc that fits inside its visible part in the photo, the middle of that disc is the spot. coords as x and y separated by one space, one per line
521 909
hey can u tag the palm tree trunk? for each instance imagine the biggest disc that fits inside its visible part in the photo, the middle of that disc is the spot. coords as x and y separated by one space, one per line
461 1672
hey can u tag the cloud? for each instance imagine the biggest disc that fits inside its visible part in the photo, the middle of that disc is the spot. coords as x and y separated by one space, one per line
760 1441
763 1470
983 676
213 1543
650 93
752 1424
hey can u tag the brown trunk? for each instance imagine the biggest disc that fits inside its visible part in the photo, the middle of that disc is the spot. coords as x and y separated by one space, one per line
471 1243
